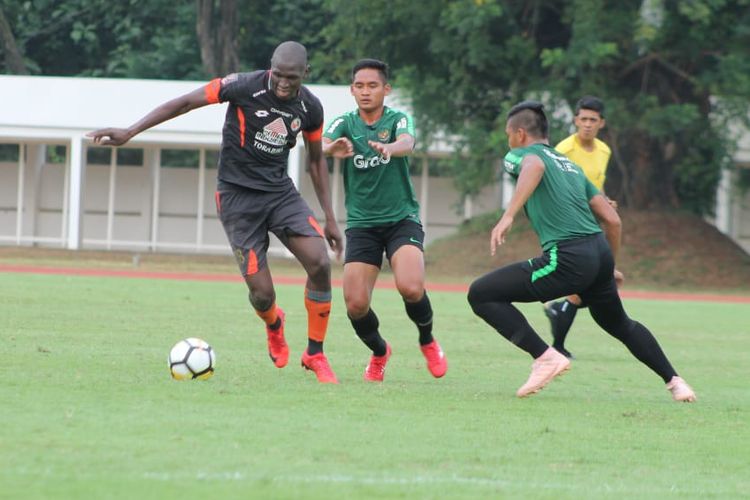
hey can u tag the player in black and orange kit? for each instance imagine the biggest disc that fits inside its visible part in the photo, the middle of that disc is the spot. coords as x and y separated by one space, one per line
267 109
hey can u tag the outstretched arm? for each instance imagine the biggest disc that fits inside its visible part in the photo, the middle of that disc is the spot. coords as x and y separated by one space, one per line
402 146
532 170
320 179
170 109
340 148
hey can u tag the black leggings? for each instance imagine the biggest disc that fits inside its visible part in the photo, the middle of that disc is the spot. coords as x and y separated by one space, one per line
583 266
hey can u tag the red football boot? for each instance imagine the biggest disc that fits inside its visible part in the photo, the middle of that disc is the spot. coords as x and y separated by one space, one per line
318 363
376 367
278 351
436 362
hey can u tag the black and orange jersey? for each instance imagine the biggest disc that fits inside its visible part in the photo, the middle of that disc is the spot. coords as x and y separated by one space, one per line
260 129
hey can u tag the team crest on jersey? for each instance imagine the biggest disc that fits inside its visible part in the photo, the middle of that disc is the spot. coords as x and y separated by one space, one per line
383 135
296 124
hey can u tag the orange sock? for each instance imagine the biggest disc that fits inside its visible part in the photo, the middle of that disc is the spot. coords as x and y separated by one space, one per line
270 315
318 305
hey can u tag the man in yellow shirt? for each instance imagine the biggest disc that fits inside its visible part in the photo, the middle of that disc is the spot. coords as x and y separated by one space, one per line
592 155
583 148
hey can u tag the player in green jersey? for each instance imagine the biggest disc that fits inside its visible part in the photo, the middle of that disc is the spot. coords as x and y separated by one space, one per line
375 142
563 207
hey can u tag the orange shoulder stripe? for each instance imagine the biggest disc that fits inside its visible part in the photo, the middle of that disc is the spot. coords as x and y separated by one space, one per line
212 89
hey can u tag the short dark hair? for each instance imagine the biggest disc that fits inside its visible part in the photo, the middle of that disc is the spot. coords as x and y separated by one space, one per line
591 103
375 64
529 115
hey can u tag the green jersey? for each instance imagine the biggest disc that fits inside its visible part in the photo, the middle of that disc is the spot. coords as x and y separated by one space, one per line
377 191
559 207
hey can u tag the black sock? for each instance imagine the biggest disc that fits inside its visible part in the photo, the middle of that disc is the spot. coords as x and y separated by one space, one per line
421 314
314 347
366 329
642 344
508 321
566 313
276 325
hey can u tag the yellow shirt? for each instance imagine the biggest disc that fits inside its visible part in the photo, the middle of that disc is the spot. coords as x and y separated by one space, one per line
593 163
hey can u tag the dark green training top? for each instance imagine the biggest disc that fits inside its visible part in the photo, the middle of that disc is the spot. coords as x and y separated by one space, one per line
559 207
377 191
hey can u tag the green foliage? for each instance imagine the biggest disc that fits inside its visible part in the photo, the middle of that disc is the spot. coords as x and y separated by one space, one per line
263 25
133 38
656 64
743 180
461 63
8 152
150 38
673 75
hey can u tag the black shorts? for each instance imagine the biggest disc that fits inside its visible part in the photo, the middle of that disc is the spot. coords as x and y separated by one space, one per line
248 215
582 266
366 244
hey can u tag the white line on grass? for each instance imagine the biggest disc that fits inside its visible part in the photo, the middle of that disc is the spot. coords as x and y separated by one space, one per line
412 480
332 478
645 489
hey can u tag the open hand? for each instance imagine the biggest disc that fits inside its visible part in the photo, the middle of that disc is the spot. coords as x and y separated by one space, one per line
619 278
499 232
382 149
333 237
110 136
340 148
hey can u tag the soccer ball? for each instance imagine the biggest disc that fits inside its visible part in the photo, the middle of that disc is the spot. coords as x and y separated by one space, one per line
191 359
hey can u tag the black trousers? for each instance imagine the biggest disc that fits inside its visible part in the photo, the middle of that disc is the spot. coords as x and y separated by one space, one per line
582 266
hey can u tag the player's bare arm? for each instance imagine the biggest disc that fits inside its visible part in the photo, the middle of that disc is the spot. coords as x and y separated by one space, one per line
118 136
319 176
402 146
609 221
340 148
611 224
532 171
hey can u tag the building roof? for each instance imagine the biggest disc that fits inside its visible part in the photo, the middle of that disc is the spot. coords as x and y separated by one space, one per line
39 108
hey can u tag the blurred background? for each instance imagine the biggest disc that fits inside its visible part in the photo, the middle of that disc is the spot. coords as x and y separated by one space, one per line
675 78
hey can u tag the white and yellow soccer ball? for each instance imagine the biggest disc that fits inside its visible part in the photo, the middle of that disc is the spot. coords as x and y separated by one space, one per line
192 358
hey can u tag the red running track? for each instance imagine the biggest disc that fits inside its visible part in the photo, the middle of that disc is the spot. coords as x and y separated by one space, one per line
286 280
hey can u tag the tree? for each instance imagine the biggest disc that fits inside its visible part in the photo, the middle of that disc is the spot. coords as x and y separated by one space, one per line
281 20
461 63
672 74
133 38
217 26
660 66
13 58
159 38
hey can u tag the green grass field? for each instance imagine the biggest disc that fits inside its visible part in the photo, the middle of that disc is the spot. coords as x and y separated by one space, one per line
89 409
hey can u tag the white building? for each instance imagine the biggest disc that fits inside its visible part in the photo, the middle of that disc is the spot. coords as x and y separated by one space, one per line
732 213
58 189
